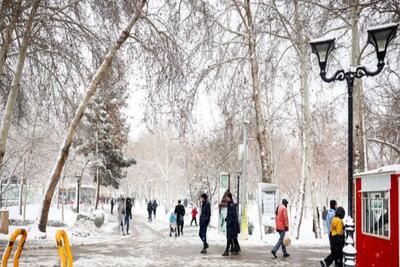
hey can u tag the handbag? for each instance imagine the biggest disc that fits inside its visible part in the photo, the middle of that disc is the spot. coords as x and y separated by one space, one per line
286 240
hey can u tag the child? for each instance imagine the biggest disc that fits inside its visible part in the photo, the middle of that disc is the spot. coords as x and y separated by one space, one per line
337 240
172 224
194 214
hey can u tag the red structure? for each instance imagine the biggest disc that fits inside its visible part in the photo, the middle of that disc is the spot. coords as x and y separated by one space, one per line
377 217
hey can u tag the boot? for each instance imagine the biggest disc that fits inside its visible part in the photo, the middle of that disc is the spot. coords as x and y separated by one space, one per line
203 251
226 253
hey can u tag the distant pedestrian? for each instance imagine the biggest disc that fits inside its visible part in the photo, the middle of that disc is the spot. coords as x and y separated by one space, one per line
112 205
121 214
329 217
324 214
150 210
232 226
204 221
282 226
194 214
180 214
155 205
128 214
172 224
336 240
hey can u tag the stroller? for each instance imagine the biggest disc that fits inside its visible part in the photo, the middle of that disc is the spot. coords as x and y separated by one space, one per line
172 224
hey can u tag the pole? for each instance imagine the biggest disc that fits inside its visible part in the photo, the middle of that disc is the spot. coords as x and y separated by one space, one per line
78 189
244 164
350 83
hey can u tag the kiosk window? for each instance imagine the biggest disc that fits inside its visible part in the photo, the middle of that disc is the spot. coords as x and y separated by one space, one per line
375 209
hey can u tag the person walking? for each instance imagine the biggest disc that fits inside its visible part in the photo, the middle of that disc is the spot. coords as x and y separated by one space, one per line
128 213
150 210
336 240
155 205
204 220
121 214
112 205
329 217
282 226
180 213
324 215
232 226
194 214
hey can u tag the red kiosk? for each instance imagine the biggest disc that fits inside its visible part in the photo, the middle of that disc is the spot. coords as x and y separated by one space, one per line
377 217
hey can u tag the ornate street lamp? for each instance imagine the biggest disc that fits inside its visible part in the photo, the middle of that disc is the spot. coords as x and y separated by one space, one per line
380 37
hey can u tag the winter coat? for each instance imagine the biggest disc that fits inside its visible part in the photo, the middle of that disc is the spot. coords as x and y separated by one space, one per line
121 211
180 212
324 214
194 213
128 209
281 219
155 205
149 206
329 217
172 218
232 222
205 214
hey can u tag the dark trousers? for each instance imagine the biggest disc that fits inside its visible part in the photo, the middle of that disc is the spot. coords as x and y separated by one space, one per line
154 212
337 243
280 243
229 244
203 235
127 223
195 221
112 208
180 228
150 212
236 246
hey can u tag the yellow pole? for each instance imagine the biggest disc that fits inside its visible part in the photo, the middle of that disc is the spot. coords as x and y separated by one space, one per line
9 248
64 249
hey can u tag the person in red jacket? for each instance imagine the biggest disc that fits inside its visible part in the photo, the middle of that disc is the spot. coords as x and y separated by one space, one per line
194 214
282 226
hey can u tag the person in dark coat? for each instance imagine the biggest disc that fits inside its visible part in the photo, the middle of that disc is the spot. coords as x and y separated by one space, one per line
128 214
232 226
204 221
180 213
150 210
155 205
112 205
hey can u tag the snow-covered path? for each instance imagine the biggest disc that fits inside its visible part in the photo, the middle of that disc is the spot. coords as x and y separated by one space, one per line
150 245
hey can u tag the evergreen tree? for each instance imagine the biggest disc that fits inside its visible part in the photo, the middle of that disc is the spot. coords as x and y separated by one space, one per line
104 135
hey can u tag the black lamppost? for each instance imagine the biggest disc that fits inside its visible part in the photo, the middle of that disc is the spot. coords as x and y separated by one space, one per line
380 38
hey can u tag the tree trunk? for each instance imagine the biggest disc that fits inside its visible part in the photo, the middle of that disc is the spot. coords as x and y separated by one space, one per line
25 199
97 189
12 96
265 153
21 193
91 90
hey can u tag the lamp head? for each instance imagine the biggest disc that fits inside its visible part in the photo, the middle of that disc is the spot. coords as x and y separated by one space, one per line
380 38
322 48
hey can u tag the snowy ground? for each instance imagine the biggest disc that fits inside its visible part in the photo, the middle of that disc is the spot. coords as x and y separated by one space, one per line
150 245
